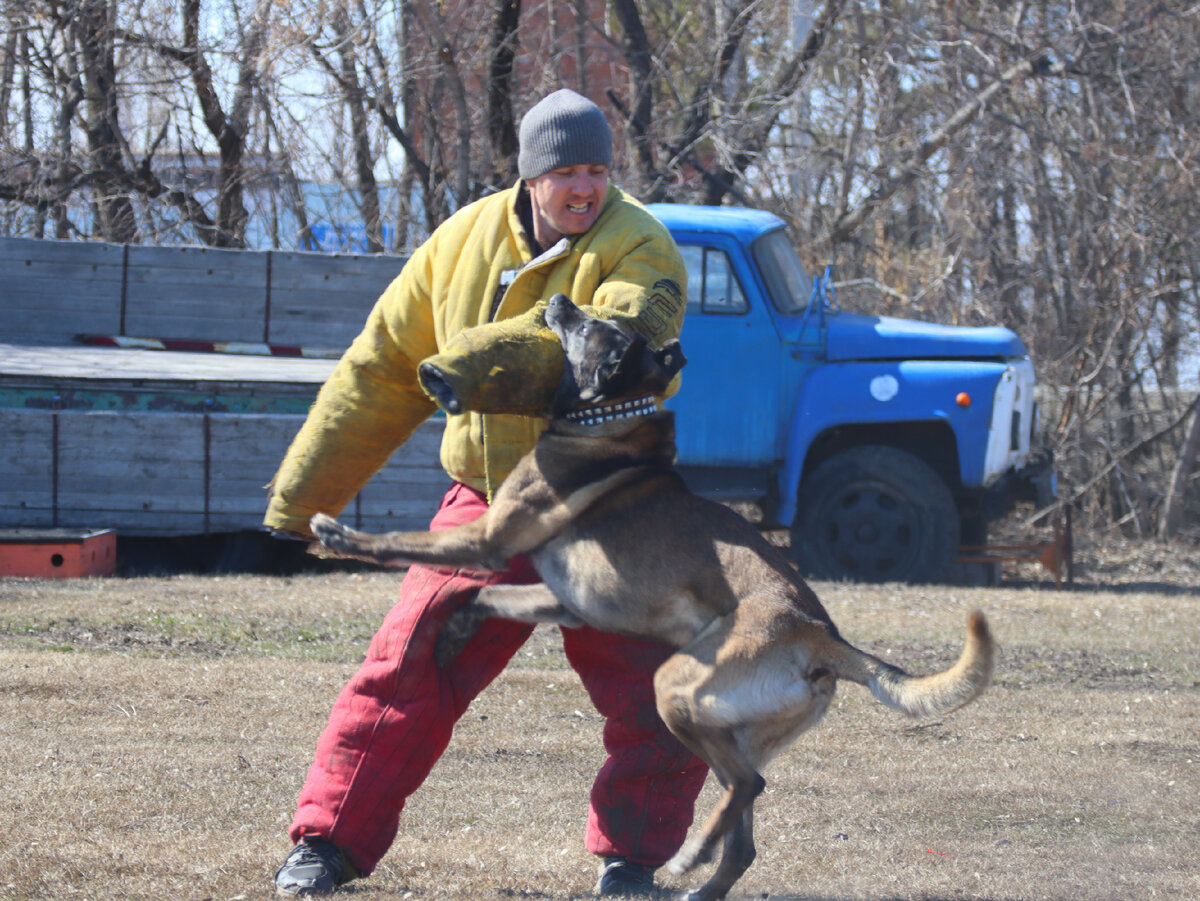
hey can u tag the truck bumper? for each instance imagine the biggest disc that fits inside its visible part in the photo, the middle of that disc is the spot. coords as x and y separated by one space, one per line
1035 482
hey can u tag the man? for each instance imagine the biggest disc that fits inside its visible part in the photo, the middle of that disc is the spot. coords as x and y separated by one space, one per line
561 228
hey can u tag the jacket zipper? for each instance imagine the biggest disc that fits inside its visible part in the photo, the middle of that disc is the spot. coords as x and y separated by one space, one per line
509 276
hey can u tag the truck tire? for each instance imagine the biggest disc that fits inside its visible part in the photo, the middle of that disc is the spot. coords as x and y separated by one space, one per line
875 514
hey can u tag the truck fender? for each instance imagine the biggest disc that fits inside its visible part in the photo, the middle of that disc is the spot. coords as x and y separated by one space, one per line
877 392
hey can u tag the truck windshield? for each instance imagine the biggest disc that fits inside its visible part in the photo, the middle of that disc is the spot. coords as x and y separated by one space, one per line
789 286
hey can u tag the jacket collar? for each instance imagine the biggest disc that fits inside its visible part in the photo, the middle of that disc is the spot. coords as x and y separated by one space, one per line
520 217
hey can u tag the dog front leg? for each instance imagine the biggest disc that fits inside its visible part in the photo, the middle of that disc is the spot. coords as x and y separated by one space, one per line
521 603
466 545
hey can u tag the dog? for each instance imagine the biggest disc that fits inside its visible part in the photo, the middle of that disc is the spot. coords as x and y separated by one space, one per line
622 545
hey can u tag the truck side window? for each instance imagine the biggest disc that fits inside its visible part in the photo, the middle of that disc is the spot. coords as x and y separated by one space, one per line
712 284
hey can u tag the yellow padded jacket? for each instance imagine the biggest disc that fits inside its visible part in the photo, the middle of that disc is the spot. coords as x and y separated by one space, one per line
475 268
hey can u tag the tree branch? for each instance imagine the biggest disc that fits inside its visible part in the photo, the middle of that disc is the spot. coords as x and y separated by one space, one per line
845 225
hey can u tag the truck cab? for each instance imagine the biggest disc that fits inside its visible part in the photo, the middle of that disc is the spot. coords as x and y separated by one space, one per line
883 444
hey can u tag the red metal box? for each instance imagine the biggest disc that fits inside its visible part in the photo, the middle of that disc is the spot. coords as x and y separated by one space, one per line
58 553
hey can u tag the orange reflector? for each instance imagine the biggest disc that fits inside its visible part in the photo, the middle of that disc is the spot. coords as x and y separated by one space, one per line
963 399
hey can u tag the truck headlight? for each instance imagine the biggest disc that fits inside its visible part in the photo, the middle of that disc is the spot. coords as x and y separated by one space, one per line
1012 411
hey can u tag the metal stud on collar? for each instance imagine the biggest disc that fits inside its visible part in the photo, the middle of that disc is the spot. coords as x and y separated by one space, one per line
629 409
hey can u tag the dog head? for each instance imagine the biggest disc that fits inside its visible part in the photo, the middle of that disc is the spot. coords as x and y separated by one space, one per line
605 361
550 360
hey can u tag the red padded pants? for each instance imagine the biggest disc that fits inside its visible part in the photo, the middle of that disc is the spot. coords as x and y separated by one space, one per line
393 720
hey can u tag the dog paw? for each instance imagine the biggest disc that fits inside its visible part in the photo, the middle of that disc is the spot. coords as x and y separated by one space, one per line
686 858
694 853
458 629
329 531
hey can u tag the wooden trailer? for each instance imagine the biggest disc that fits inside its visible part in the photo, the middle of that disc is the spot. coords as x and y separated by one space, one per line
171 442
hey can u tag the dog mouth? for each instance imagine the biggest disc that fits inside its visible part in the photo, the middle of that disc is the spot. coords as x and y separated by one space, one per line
602 413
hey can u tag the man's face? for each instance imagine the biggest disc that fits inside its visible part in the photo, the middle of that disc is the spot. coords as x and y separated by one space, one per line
566 201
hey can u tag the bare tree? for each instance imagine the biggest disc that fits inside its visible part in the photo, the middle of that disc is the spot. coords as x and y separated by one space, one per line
90 29
229 127
347 38
501 87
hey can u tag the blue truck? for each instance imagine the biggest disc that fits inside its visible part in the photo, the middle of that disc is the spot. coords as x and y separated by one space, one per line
882 444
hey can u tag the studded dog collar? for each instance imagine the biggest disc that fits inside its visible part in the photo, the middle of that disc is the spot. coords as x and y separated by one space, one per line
626 409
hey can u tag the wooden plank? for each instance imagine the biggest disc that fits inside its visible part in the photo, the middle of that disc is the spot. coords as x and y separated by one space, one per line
138 473
135 523
405 493
26 468
244 453
324 299
125 462
105 365
412 512
54 290
57 289
144 473
198 293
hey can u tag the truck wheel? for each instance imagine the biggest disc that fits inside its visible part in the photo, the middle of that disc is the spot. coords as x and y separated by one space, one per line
875 514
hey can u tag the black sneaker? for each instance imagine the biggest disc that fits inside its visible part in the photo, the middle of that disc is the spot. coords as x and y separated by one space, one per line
315 867
622 878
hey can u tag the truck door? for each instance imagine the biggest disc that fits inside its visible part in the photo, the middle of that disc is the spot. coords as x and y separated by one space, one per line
728 408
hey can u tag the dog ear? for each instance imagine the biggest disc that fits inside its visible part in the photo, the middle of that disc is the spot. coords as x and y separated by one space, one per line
661 365
645 368
670 357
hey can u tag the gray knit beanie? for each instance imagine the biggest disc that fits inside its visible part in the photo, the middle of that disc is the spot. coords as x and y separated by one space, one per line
562 129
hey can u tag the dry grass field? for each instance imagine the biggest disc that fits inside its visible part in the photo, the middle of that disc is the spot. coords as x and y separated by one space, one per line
156 731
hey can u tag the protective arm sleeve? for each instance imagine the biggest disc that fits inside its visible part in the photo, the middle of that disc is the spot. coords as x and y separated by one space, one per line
369 406
647 290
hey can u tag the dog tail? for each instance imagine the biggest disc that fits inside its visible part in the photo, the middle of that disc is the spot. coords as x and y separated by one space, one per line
923 696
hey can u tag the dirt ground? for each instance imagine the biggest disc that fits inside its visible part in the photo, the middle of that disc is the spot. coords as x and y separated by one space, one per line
157 730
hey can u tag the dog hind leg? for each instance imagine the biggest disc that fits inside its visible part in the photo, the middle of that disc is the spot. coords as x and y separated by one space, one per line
742 785
679 687
458 629
522 603
736 718
526 604
737 855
